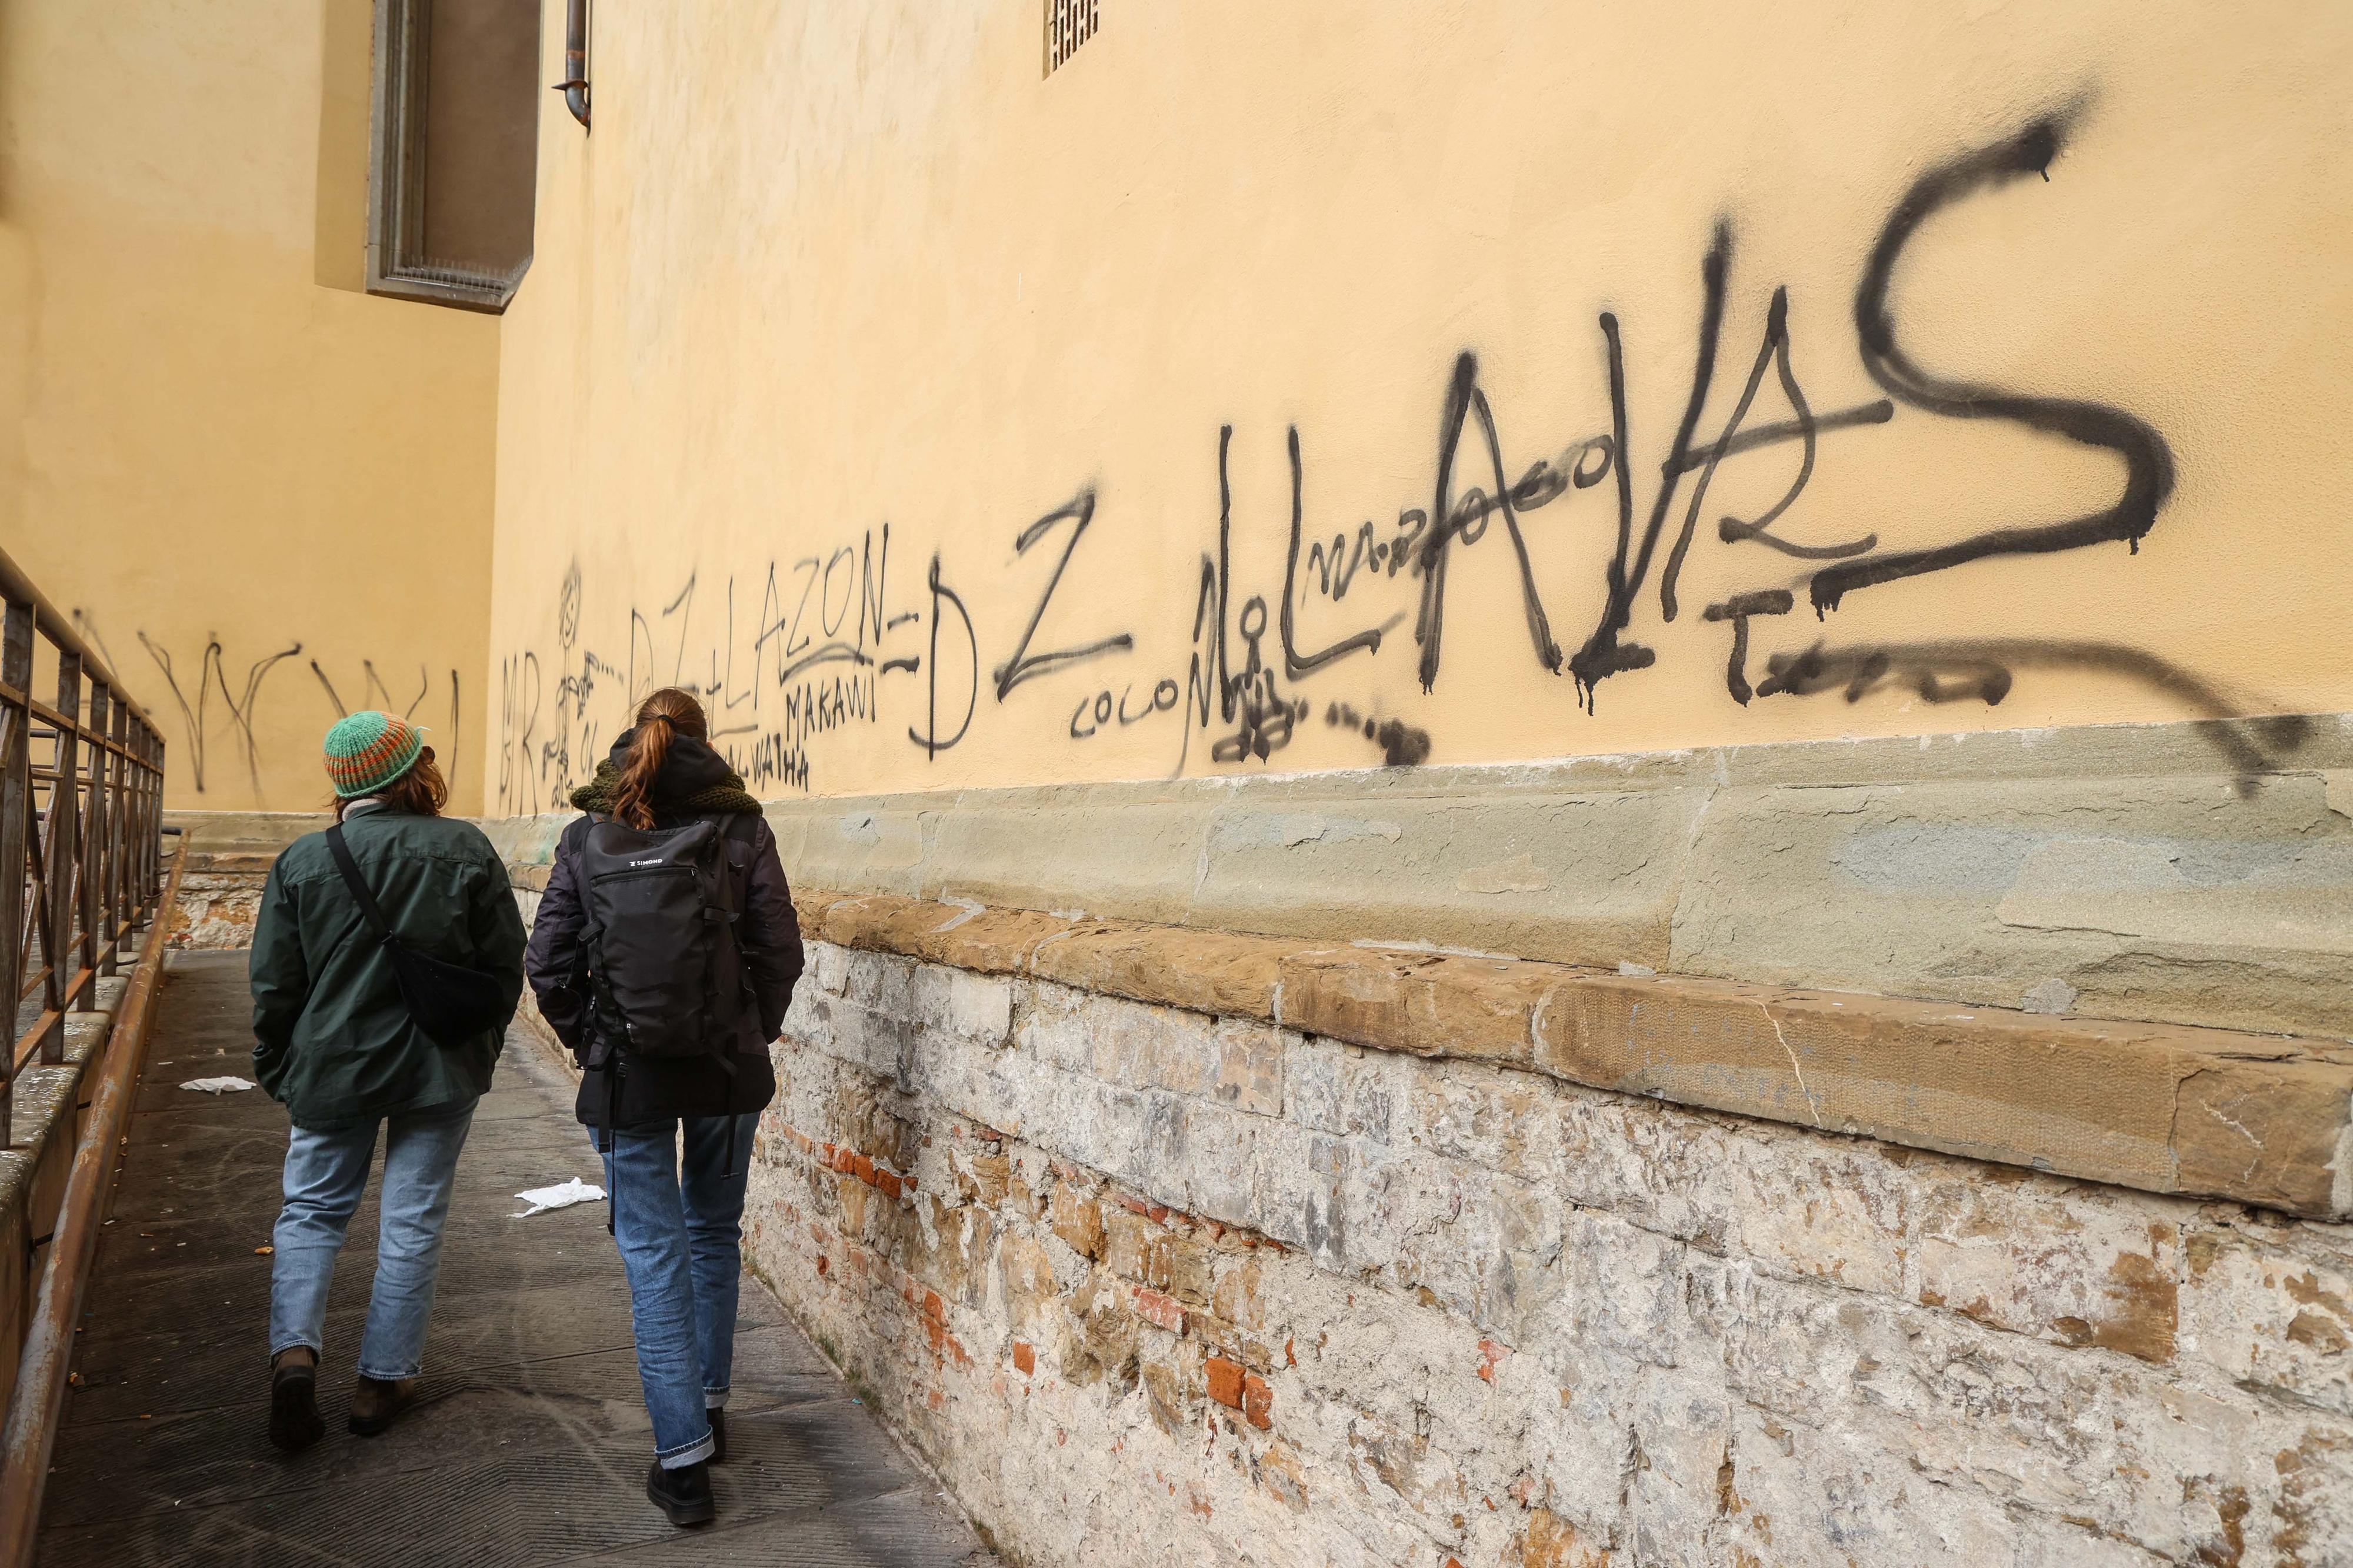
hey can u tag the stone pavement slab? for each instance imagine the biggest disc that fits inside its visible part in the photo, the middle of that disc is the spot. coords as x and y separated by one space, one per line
529 1446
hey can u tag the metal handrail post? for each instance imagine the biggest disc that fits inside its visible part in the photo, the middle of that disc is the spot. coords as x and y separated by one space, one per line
15 823
61 842
147 820
92 877
151 818
119 906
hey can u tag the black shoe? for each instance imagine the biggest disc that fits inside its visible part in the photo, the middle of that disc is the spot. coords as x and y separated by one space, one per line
683 1494
294 1423
375 1403
718 1437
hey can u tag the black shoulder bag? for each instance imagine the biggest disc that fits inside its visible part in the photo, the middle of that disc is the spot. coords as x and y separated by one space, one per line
453 1004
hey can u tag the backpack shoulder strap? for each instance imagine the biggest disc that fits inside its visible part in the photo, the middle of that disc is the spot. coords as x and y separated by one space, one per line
589 967
352 880
736 827
589 929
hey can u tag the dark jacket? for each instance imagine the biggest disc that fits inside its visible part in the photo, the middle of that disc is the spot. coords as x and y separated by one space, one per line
333 1039
693 782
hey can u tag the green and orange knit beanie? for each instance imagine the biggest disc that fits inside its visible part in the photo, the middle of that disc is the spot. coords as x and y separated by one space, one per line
367 751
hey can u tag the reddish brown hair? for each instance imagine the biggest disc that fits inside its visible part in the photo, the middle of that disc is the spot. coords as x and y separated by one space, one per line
420 791
661 718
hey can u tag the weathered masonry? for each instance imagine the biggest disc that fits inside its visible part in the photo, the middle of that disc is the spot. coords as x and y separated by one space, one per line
1225 1221
1201 1281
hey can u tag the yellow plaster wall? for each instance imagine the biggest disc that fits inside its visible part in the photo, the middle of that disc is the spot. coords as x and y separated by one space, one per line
828 274
263 495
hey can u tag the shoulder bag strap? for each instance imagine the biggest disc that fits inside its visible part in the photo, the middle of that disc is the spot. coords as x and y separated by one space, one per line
352 880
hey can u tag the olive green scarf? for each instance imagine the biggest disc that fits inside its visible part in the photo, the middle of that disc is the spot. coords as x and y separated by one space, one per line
597 795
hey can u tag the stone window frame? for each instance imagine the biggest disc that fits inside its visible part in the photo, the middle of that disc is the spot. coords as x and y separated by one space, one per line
397 265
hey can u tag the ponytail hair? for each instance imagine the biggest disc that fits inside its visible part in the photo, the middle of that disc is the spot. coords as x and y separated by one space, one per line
661 718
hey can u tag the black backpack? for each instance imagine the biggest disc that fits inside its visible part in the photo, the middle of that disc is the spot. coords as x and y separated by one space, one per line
665 966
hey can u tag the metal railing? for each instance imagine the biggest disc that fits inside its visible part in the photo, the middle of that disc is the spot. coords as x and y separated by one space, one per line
81 809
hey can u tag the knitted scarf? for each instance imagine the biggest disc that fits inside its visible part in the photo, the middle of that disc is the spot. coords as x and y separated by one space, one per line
597 795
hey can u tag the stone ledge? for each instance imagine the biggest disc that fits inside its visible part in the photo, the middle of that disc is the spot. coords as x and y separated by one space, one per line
2256 1118
2130 871
231 863
43 1095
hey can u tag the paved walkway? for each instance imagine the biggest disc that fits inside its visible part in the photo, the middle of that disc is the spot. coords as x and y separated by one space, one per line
531 1444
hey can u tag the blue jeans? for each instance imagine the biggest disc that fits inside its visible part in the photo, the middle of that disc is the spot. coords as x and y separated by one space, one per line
680 1225
326 1171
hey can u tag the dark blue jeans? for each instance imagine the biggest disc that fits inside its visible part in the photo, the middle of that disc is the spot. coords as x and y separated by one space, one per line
679 1224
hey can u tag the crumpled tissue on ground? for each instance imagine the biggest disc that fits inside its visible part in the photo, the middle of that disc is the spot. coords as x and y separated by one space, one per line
564 1194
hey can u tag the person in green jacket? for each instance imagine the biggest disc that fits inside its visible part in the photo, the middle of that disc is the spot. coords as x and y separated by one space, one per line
334 1042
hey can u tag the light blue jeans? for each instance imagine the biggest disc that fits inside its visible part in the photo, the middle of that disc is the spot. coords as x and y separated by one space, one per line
680 1225
326 1171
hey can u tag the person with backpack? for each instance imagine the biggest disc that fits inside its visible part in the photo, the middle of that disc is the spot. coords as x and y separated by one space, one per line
664 956
387 959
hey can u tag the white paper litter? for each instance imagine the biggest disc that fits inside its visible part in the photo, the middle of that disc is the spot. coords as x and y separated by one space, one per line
563 1196
217 1085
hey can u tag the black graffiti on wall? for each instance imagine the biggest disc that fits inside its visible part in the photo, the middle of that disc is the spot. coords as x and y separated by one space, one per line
1585 597
781 658
241 705
932 738
231 693
1023 664
1402 745
1471 496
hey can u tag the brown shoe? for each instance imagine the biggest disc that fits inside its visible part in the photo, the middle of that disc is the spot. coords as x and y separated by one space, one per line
375 1403
294 1423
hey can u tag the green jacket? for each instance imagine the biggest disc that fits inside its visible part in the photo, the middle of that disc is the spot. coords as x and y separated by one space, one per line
331 1037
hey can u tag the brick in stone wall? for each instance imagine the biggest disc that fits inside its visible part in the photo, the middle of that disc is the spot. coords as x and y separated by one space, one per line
1234 1294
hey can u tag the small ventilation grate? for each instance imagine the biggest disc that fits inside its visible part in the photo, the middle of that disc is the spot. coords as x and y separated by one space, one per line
1069 24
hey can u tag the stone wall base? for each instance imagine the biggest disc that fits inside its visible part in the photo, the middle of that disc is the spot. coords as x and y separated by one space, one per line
219 897
1148 1286
230 855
